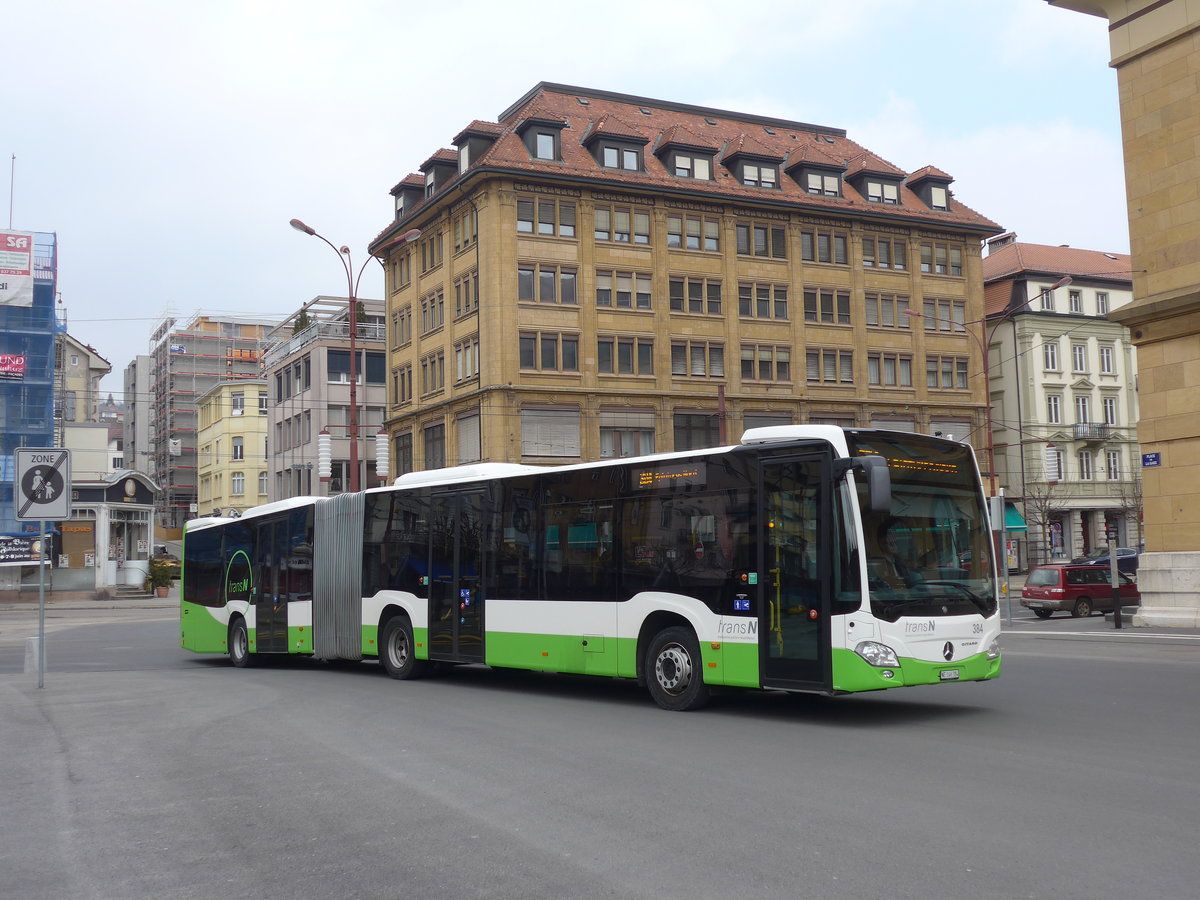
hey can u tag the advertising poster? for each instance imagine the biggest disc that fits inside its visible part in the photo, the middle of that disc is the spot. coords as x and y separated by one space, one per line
16 268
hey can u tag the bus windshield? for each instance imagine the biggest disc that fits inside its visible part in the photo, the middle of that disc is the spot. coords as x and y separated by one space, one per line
930 554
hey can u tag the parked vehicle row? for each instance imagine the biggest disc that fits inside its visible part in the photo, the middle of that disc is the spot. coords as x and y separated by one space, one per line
1127 559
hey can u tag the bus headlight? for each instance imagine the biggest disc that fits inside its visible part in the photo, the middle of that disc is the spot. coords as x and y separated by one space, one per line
993 650
877 654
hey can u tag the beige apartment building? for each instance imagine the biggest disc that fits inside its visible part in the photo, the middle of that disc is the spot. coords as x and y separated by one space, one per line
231 446
598 275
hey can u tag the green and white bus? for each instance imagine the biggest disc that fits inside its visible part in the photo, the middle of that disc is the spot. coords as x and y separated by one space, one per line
772 564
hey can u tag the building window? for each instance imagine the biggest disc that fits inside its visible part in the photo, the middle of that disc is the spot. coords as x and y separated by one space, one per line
694 233
1101 303
404 326
550 432
237 483
1107 363
545 145
625 355
237 403
1079 357
435 446
823 247
698 359
623 224
687 165
763 301
545 283
433 311
695 295
1112 459
548 351
829 366
1082 409
262 400
1053 409
622 290
433 372
616 157
945 315
623 442
239 447
403 455
466 229
402 385
827 185
1050 357
546 216
466 294
760 175
1109 405
1085 465
765 362
887 311
754 239
696 431
826 305
1075 301
1048 300
466 359
941 259
939 198
1054 465
947 373
431 252
401 270
883 192
263 481
889 369
884 253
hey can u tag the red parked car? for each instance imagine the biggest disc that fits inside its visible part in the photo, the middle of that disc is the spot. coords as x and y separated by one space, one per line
1075 589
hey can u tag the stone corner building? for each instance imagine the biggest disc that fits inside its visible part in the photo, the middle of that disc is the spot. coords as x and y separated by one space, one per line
1155 47
602 275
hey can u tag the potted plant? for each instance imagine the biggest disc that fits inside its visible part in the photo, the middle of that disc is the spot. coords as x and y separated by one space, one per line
158 578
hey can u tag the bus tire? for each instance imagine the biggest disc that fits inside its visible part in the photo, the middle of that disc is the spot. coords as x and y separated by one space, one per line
398 650
239 644
675 671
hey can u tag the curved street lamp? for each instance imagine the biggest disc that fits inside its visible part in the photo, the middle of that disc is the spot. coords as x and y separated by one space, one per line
352 282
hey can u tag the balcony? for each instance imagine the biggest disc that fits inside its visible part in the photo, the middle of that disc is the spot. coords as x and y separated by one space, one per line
365 333
1089 431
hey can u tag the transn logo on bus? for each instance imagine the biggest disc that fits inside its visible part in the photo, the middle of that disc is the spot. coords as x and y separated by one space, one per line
738 628
920 627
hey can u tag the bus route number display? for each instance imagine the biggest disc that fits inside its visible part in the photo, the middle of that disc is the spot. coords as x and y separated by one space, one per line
669 476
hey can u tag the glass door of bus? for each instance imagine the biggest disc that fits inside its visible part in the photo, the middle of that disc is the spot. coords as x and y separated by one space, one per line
270 594
456 582
794 530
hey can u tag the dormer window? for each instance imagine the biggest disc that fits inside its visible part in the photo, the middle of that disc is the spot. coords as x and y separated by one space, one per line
613 156
430 183
545 145
689 165
939 198
464 158
826 185
541 137
882 192
760 175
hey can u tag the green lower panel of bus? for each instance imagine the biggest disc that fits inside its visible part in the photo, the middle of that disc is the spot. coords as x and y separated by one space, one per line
727 664
200 632
853 673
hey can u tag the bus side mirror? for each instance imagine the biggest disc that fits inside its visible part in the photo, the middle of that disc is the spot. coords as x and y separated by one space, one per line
879 482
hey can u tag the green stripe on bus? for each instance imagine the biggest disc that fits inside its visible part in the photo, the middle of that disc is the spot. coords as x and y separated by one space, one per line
853 673
199 631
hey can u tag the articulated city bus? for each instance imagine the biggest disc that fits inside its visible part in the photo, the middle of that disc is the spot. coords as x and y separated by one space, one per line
807 558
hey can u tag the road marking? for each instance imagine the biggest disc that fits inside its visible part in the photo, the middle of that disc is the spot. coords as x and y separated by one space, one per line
1109 633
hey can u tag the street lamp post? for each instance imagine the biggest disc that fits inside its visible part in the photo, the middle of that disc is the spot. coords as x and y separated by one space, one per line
352 282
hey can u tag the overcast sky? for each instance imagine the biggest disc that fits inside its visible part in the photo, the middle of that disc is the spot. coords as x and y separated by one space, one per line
168 144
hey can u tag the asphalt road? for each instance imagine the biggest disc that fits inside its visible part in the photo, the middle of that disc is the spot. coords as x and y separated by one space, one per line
144 771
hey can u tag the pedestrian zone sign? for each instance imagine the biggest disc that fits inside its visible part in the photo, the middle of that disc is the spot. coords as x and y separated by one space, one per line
42 484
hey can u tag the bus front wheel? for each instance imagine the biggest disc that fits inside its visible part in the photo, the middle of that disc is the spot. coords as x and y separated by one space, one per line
398 650
239 644
674 670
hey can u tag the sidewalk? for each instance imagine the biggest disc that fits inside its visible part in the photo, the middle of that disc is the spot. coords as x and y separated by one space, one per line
28 599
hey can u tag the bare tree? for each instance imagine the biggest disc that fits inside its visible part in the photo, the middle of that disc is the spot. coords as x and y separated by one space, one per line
1044 502
1132 501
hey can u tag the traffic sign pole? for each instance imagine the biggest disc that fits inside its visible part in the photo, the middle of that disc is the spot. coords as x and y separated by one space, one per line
42 605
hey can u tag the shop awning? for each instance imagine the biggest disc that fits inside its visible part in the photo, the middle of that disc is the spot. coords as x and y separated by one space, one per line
1013 520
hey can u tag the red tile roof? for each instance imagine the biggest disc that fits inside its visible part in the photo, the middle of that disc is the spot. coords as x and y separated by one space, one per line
690 125
1041 259
929 172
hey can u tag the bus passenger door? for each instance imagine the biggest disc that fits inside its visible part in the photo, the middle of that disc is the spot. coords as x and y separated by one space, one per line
794 529
456 577
270 595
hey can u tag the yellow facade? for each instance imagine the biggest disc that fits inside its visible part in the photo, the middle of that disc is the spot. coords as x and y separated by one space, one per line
764 374
231 447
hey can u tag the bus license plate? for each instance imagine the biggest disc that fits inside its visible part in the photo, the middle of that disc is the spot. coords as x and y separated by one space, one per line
948 674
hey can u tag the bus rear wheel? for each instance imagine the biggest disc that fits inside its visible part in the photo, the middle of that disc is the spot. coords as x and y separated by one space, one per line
239 644
398 650
674 671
